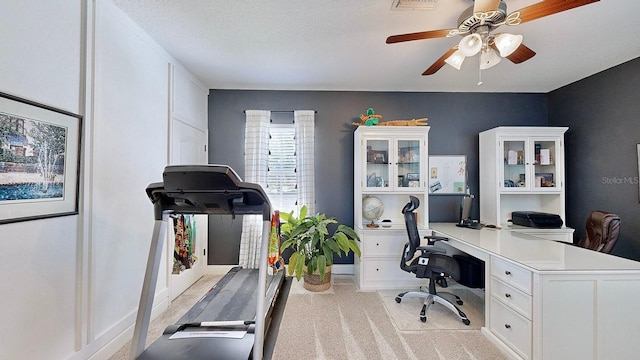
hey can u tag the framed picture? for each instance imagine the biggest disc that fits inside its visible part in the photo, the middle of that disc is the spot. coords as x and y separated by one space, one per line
544 180
638 178
408 155
39 160
378 157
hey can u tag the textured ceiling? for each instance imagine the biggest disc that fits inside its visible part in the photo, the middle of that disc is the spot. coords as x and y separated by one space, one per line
340 45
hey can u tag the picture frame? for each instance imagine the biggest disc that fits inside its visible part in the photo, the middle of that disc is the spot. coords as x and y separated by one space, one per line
378 157
413 180
638 178
546 179
408 155
39 160
413 177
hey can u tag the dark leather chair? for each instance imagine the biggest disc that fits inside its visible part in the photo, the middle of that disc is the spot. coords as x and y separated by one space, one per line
431 263
603 229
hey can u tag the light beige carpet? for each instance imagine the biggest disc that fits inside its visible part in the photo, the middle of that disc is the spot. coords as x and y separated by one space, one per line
344 323
406 315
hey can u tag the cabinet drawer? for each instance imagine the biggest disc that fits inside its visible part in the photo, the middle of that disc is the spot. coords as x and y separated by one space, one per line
512 328
512 297
511 274
384 270
384 244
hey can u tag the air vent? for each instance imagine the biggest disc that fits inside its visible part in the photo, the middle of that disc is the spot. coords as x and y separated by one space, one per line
414 4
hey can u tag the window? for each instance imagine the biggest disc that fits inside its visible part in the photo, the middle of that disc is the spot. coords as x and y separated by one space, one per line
281 173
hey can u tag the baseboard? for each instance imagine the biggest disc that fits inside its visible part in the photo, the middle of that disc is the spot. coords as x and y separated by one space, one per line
160 305
342 269
218 269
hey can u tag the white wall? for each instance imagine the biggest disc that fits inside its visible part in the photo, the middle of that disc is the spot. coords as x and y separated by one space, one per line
71 284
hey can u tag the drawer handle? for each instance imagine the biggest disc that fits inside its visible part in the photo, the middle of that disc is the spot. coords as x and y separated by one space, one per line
507 295
508 272
377 269
377 244
507 326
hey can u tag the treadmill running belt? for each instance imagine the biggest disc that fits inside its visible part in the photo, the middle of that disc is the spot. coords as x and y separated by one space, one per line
234 299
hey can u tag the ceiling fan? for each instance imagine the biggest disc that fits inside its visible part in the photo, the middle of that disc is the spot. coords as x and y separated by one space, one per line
477 25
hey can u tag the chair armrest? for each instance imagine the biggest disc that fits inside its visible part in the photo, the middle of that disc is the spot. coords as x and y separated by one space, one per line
432 239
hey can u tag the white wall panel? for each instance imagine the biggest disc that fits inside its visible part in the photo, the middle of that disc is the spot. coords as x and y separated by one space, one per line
189 96
40 61
130 150
40 57
71 285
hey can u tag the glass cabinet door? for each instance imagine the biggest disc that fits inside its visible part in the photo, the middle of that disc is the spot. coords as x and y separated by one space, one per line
408 165
530 165
545 173
377 163
515 165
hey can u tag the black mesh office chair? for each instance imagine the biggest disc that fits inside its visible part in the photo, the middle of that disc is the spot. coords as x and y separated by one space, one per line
431 263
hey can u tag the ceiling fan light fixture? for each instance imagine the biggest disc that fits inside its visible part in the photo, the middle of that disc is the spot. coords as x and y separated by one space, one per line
470 44
507 43
488 59
455 59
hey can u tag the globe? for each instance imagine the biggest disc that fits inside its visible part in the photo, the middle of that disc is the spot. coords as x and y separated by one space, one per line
372 209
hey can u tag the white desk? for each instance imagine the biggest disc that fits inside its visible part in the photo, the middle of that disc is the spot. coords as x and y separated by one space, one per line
550 300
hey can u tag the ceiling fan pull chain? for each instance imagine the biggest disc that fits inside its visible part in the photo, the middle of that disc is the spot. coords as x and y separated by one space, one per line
479 71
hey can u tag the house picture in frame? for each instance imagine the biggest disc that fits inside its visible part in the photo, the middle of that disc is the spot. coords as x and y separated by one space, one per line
39 160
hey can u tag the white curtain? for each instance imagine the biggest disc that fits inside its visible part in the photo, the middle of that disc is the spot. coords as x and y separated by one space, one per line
304 121
256 157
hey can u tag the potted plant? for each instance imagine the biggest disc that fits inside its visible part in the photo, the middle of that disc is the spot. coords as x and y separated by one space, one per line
313 247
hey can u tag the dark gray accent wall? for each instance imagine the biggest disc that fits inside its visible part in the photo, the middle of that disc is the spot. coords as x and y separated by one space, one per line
455 120
601 112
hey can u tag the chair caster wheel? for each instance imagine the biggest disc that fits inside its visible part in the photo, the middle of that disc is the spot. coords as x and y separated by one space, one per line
398 299
466 321
423 319
459 302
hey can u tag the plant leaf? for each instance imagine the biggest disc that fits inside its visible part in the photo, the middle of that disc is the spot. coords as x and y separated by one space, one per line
293 259
354 247
342 241
331 244
348 231
322 266
299 268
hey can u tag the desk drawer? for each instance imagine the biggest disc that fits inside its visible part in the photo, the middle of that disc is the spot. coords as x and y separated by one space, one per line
512 297
384 244
511 274
384 270
512 328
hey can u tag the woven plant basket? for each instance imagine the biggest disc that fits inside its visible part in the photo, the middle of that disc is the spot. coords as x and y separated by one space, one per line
313 283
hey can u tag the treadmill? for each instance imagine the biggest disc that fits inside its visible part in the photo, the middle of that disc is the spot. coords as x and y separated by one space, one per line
231 320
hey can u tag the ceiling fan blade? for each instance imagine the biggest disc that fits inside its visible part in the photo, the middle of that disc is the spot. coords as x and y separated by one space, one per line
417 36
485 5
521 54
550 7
440 62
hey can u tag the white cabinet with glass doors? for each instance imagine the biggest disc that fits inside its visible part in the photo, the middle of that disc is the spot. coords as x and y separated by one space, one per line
391 164
521 169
